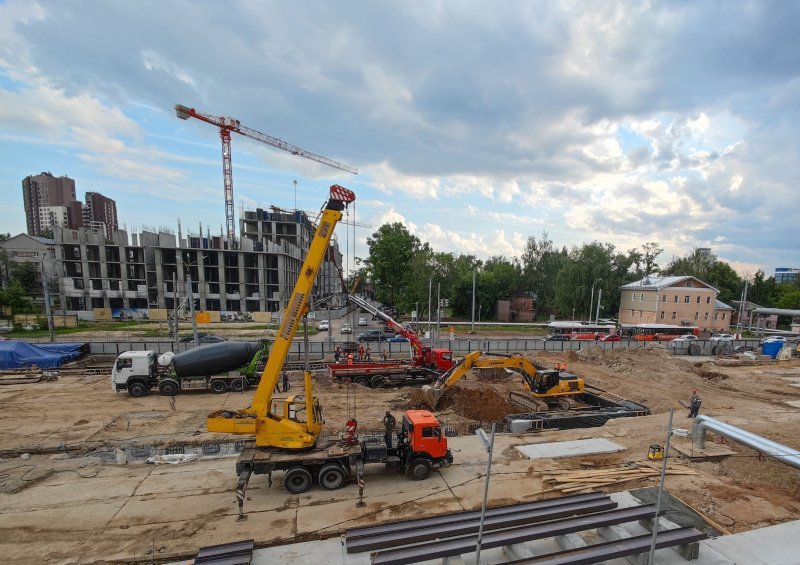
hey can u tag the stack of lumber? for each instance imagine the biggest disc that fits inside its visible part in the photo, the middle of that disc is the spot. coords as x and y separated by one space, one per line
22 376
577 480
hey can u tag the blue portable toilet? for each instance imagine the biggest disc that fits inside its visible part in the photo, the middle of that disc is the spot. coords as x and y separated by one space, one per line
772 348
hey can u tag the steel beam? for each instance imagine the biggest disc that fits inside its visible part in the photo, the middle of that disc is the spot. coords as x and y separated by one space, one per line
615 549
368 531
458 546
465 528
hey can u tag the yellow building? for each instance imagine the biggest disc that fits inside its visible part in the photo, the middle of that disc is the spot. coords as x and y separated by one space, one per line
675 300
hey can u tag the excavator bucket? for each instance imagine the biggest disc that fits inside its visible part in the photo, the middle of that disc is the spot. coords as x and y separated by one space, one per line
432 395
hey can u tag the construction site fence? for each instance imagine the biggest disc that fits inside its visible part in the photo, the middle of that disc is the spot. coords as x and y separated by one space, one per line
323 350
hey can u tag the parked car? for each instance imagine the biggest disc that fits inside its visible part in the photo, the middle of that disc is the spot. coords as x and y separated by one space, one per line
202 339
687 337
362 321
722 337
609 337
374 335
773 339
558 337
346 329
397 339
323 326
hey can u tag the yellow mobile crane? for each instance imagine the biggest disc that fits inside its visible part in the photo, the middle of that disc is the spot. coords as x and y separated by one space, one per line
549 385
285 430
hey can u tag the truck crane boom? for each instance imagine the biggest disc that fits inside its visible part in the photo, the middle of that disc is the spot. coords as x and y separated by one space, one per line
281 430
421 354
227 125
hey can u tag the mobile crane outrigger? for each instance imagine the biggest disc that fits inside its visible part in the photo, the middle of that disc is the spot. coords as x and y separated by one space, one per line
284 442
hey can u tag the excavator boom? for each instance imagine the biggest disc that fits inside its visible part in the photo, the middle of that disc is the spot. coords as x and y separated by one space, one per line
540 383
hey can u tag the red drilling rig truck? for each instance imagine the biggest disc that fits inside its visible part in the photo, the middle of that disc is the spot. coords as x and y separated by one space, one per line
424 367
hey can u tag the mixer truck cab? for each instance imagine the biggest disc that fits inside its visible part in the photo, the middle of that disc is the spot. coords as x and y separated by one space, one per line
132 367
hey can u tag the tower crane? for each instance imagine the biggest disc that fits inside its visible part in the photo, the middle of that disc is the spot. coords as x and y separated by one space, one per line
227 125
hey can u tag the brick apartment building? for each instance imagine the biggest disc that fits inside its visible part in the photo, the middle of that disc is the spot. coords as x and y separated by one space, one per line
674 300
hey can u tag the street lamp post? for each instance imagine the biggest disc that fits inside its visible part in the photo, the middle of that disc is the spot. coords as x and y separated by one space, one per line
591 300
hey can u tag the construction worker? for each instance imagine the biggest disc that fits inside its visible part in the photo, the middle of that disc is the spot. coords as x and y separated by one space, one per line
350 358
388 425
285 380
337 354
385 355
367 353
694 404
360 352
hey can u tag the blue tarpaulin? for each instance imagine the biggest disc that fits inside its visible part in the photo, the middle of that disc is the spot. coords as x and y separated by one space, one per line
19 354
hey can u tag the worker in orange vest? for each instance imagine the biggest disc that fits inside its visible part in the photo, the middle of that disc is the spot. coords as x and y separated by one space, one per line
350 358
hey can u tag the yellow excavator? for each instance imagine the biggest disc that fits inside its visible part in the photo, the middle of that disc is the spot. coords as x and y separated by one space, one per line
552 386
288 430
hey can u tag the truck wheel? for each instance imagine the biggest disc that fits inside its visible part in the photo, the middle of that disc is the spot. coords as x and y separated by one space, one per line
362 381
331 477
695 349
297 480
137 390
378 381
238 385
218 386
419 469
168 387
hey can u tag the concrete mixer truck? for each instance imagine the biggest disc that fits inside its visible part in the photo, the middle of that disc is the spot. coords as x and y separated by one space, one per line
218 367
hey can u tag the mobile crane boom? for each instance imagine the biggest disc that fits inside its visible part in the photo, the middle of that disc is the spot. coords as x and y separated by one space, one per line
422 355
284 430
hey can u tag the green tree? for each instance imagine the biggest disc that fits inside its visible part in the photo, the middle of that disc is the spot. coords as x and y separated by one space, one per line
762 291
4 236
26 274
391 250
697 264
541 263
16 298
726 280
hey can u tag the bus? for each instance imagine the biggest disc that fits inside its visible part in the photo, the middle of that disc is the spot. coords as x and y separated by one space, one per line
581 330
655 332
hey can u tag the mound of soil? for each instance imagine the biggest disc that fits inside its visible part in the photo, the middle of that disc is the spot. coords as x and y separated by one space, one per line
481 405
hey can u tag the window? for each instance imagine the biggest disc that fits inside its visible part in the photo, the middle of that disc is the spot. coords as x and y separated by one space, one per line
686 300
674 315
663 298
676 299
431 432
697 315
708 300
640 314
698 300
723 315
632 312
662 315
706 316
716 315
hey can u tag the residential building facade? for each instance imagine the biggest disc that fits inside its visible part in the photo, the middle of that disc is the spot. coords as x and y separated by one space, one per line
99 209
40 253
674 300
47 191
154 270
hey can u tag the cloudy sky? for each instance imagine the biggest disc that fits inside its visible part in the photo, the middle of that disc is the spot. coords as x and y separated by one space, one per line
477 124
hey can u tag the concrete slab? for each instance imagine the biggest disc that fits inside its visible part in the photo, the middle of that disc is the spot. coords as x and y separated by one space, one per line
773 545
794 403
709 452
569 448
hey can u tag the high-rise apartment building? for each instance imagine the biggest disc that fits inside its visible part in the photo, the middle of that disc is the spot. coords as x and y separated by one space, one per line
100 209
47 191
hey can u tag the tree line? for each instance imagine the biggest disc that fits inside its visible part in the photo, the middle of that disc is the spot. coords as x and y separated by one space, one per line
401 268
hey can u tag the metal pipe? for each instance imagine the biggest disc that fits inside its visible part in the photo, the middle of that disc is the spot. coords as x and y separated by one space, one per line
781 453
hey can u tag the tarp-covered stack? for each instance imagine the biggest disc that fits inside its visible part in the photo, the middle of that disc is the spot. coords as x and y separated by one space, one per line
20 354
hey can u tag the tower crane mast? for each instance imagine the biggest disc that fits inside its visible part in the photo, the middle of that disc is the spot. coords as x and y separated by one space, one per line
227 125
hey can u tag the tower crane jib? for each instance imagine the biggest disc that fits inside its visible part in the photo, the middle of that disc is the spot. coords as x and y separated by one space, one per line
227 125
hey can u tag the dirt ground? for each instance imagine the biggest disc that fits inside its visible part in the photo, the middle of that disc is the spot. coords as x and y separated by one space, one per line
64 424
